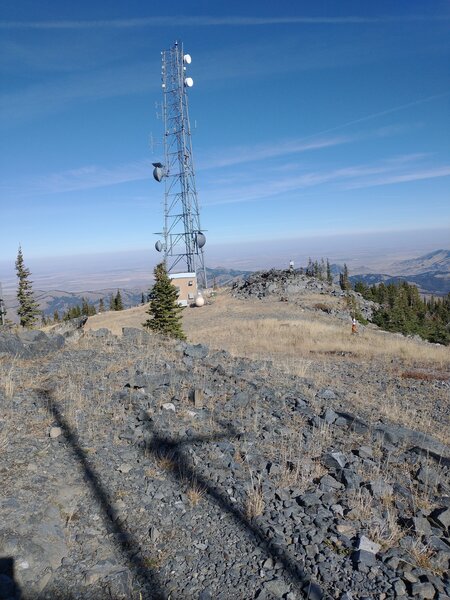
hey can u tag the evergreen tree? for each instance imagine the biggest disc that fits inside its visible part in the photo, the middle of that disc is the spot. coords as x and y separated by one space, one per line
329 274
142 298
322 270
112 305
56 316
28 310
72 313
101 306
84 307
316 269
118 305
164 306
344 281
402 309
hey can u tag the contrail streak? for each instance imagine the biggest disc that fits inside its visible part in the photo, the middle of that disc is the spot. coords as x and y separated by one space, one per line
207 21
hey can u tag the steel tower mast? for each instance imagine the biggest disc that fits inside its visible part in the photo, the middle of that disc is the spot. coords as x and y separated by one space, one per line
183 237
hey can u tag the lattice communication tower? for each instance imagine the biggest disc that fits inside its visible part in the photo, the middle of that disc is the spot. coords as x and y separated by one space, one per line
183 238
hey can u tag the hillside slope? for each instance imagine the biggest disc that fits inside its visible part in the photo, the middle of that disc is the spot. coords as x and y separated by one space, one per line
290 459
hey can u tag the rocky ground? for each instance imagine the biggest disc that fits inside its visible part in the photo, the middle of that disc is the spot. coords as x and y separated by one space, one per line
291 286
134 467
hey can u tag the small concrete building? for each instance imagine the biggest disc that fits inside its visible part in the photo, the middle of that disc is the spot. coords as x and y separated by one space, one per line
186 285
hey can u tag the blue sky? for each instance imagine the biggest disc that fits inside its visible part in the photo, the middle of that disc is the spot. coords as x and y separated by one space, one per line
310 119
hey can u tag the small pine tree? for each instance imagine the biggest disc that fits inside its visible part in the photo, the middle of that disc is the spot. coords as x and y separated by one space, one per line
28 310
329 273
118 304
344 281
322 270
56 316
101 306
142 298
112 305
164 306
84 307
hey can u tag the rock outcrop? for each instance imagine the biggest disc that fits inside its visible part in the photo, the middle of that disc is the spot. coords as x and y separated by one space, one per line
290 285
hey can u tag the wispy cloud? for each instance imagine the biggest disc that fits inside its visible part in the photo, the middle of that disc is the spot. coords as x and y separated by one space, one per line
209 21
55 95
94 176
91 177
399 169
257 152
380 113
401 178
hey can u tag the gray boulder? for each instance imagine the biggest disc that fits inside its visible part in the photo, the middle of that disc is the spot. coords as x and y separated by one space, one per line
196 350
71 330
29 343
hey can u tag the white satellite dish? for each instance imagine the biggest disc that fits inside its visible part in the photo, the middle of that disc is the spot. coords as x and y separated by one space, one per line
187 59
188 82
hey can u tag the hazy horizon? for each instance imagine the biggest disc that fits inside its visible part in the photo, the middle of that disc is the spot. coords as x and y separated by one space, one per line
92 271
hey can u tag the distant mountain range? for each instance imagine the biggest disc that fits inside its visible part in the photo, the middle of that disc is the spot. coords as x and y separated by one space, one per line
222 276
430 273
51 300
437 261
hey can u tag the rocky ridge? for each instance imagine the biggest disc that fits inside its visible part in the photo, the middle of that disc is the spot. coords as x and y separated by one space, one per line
290 286
134 467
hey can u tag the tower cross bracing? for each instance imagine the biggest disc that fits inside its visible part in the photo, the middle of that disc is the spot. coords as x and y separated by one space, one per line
183 239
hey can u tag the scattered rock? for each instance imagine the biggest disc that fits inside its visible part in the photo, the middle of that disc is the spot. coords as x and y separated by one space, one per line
442 516
29 343
367 545
380 488
125 468
139 499
55 432
197 351
423 590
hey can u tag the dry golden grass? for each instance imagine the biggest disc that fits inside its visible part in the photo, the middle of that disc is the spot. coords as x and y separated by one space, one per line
7 372
422 556
421 375
305 342
278 330
195 493
254 503
115 320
